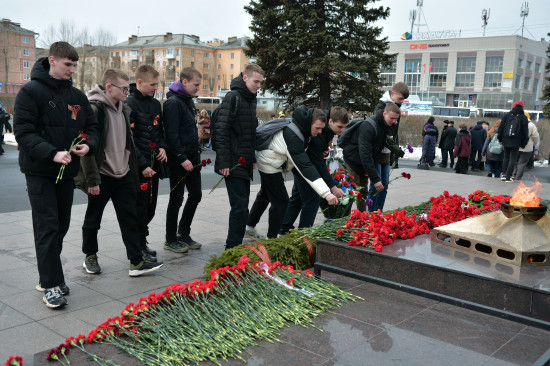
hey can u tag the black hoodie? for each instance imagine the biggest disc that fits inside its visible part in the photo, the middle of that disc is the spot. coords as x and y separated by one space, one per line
44 125
235 135
519 140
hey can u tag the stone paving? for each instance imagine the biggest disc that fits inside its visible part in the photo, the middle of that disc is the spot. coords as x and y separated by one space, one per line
388 328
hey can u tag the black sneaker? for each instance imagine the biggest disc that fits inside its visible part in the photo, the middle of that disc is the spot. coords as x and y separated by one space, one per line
91 265
186 240
176 247
53 298
151 252
148 257
144 267
63 288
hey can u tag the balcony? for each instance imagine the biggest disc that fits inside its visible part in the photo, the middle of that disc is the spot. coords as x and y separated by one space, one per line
171 56
133 56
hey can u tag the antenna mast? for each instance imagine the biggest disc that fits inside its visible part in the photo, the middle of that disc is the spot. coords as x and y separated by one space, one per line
412 18
524 13
485 17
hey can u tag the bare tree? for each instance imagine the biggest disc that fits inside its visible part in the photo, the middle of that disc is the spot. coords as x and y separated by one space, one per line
65 30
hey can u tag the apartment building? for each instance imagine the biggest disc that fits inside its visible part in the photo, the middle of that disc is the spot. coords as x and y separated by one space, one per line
17 46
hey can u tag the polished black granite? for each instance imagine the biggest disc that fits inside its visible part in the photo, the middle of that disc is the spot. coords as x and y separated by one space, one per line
431 267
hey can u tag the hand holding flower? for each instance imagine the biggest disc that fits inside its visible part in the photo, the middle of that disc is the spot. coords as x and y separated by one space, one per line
81 149
226 171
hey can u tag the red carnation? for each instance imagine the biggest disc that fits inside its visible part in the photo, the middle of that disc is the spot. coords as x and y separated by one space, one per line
340 169
208 161
476 198
203 162
354 185
350 176
152 145
144 186
339 232
242 162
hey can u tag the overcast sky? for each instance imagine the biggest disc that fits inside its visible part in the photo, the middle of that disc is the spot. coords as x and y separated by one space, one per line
221 19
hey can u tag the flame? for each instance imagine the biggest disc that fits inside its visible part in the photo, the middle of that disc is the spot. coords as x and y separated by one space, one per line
524 196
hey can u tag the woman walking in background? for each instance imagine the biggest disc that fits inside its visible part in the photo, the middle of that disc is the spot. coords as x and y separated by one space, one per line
493 152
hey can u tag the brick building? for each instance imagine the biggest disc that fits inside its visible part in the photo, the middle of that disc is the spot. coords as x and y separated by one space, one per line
17 47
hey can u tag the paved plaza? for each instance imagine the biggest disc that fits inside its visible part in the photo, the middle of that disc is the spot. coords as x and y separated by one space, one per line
387 328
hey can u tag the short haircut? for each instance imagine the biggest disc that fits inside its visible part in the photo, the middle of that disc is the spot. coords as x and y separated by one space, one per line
112 75
462 126
63 50
401 88
189 74
392 107
250 69
339 114
146 72
318 114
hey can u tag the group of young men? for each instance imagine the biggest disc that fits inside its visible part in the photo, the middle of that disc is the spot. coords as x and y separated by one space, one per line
121 144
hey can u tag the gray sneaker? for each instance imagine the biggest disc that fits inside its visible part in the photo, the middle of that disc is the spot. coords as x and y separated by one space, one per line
144 267
253 234
63 288
176 247
91 265
189 242
53 298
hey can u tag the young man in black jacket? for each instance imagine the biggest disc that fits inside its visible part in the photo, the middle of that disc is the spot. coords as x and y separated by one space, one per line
234 137
513 133
304 201
447 143
50 112
183 159
148 132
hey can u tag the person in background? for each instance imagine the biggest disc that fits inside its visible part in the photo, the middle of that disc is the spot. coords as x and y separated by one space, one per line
513 134
204 129
4 126
447 144
494 160
462 149
478 137
429 140
526 152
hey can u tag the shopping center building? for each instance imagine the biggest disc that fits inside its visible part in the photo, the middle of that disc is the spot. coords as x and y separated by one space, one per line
482 72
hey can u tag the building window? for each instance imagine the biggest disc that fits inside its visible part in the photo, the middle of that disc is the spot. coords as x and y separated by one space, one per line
117 54
231 67
219 88
438 72
537 67
465 72
122 53
177 74
232 55
158 63
192 63
520 62
528 65
206 66
26 76
158 52
25 39
177 63
412 72
518 82
536 86
192 53
219 66
527 83
205 87
219 55
177 51
388 74
163 63
170 63
26 52
122 63
206 55
219 77
163 75
26 64
493 72
134 63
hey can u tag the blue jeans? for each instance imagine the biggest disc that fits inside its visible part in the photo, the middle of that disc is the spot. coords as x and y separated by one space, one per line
379 198
495 167
304 199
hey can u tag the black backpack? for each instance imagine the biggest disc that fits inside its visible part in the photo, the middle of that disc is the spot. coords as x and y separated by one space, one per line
513 125
214 117
266 131
345 137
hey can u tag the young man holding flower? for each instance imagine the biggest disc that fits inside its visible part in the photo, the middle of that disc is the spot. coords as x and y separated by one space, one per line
112 173
49 114
148 133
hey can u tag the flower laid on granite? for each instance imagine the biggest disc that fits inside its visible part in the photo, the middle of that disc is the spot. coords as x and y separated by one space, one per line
351 191
14 361
241 163
204 162
81 137
410 148
202 321
482 199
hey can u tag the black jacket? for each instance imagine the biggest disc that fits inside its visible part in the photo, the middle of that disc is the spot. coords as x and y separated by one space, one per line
478 135
519 140
181 128
448 136
235 135
317 146
43 123
147 124
361 152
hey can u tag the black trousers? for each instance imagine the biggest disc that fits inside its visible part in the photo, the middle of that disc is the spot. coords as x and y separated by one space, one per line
461 166
447 154
510 159
146 207
193 184
304 201
51 215
272 190
238 191
123 193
